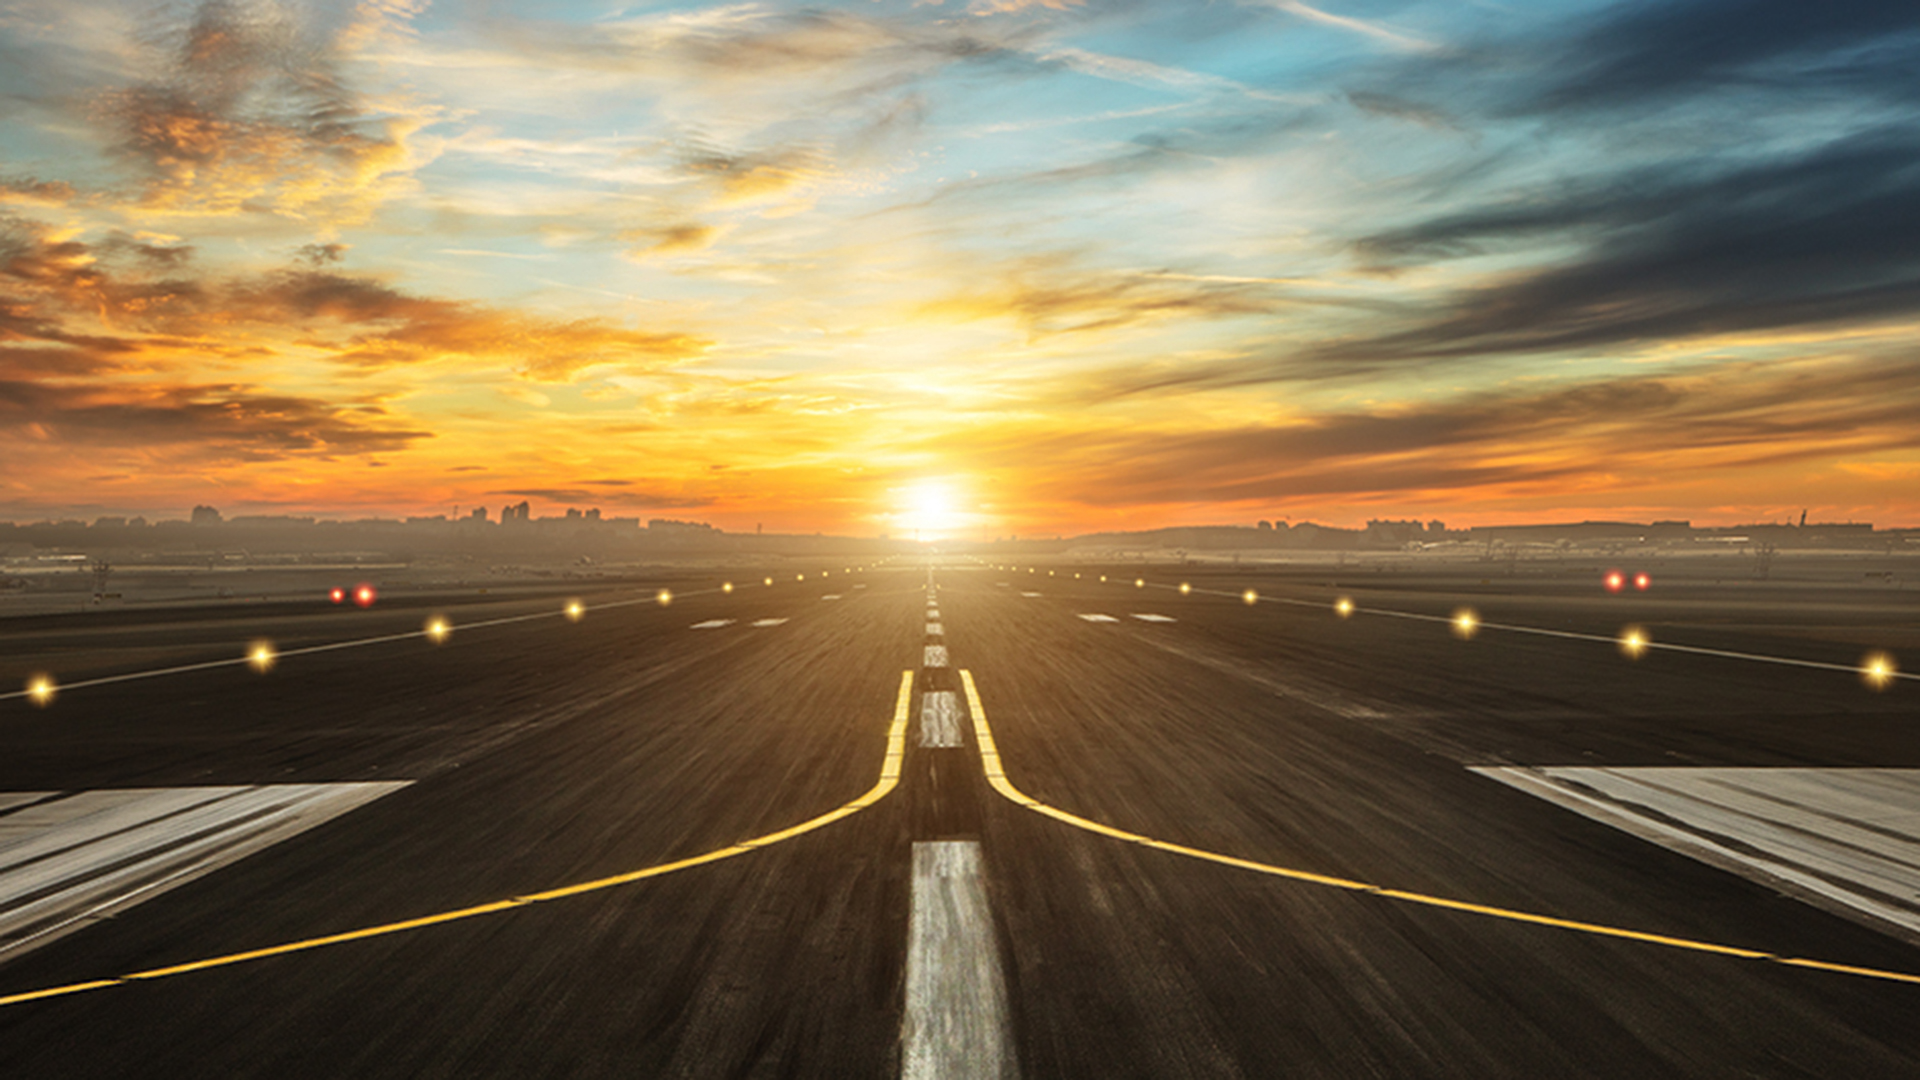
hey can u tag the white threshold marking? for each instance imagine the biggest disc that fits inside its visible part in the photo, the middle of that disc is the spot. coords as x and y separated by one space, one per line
956 1020
766 622
1094 616
940 718
935 629
711 624
1846 840
1150 617
73 859
936 656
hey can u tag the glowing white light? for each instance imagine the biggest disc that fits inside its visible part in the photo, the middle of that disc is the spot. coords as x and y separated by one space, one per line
438 629
1878 670
260 656
1343 607
40 689
1185 589
575 609
1466 623
1139 583
665 596
726 586
1250 597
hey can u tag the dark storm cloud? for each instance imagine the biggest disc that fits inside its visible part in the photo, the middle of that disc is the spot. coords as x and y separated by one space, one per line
1644 53
1829 236
218 422
1732 210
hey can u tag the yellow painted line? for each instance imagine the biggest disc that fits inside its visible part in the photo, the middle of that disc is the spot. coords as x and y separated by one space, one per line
889 779
997 778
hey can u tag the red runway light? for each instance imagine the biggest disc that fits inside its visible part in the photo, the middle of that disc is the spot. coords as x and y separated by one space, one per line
363 595
1615 581
337 596
1641 581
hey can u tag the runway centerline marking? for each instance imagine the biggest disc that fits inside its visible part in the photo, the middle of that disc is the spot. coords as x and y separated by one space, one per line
1147 616
711 624
766 622
1097 617
939 718
889 779
956 1020
936 656
997 779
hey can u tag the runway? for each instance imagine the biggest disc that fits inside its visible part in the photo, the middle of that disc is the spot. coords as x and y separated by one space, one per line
752 831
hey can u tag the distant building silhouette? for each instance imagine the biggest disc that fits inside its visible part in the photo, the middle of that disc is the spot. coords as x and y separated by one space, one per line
522 512
205 515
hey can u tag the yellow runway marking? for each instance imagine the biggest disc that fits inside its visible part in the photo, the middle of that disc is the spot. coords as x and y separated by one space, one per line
889 779
997 777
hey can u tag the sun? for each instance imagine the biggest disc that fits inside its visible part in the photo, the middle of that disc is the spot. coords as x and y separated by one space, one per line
928 510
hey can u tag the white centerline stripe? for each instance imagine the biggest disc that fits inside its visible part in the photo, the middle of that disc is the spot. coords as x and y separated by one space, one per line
956 1017
1029 594
831 596
1097 617
766 622
935 628
1149 617
936 656
940 718
711 624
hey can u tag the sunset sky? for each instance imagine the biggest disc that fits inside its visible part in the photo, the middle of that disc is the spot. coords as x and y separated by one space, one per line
1008 266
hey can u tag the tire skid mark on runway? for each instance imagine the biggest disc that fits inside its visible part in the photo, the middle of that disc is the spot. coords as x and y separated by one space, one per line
997 778
889 779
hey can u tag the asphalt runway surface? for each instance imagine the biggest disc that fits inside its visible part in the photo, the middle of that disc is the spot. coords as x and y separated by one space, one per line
529 755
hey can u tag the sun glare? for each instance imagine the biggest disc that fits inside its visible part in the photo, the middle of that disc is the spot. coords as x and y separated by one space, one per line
928 510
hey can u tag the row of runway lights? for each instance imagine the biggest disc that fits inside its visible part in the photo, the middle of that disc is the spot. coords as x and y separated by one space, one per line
1877 669
262 656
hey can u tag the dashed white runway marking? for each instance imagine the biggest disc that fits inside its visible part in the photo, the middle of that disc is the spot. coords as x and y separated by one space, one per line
940 718
1847 840
711 624
766 622
1149 617
1029 594
831 596
936 656
934 629
956 1021
1094 616
67 860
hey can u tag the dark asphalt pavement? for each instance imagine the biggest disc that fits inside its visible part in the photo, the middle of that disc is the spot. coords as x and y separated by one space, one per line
548 752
